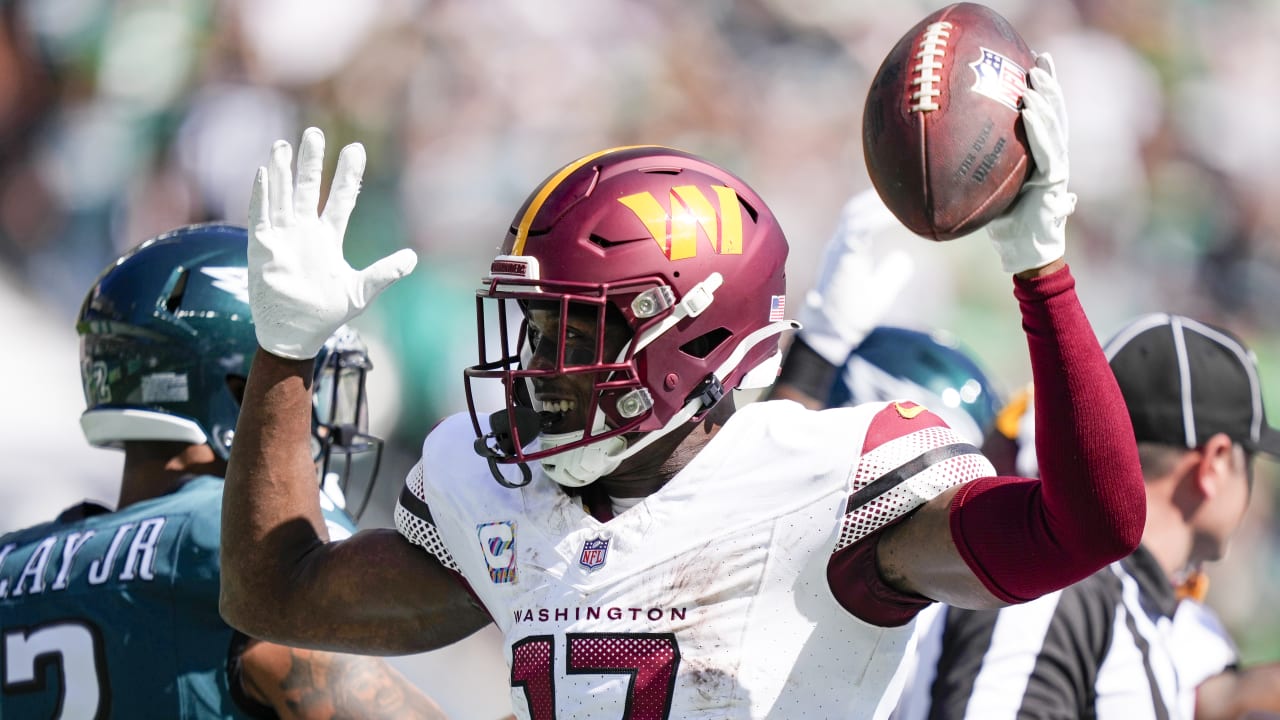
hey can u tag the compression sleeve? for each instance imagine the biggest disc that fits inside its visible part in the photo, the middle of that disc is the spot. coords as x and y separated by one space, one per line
1021 537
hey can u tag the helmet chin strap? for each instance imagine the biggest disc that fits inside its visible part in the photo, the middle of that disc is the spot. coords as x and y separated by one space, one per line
584 465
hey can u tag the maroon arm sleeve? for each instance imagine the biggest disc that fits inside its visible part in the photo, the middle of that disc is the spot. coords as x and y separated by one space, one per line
1023 538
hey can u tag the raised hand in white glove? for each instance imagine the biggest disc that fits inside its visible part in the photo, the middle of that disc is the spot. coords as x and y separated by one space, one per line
301 288
1032 233
853 292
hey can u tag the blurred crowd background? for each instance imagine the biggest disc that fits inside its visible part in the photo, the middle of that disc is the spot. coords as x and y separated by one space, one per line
122 119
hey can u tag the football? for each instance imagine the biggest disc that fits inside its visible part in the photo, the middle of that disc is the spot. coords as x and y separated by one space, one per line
941 130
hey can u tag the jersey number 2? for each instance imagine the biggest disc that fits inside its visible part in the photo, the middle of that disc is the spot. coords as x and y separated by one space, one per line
650 659
77 649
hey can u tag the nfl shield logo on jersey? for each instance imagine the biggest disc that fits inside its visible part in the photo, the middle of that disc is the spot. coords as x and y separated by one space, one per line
593 553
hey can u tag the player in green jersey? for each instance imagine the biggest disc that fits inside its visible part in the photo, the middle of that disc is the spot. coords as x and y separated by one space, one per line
115 613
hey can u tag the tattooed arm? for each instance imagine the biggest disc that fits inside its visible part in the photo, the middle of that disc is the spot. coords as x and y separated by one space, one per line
315 685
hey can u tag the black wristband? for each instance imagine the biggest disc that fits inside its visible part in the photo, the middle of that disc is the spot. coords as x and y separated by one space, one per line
807 371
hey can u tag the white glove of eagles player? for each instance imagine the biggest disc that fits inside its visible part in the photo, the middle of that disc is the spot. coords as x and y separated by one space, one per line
1033 233
301 289
853 292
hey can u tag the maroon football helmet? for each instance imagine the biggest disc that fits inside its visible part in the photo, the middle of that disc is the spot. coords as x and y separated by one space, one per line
681 250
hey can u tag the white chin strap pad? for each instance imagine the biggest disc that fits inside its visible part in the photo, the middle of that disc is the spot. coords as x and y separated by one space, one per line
582 465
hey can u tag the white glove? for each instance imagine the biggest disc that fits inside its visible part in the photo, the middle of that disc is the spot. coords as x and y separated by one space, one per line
301 289
1033 233
853 293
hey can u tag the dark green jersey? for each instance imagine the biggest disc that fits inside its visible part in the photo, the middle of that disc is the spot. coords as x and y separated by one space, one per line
116 614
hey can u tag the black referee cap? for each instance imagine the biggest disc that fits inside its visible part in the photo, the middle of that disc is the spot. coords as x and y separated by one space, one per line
1184 381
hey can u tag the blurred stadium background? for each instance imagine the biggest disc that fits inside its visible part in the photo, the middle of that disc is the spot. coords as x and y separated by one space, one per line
121 119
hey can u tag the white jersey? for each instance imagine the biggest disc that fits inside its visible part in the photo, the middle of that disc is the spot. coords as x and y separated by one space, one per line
708 599
1201 648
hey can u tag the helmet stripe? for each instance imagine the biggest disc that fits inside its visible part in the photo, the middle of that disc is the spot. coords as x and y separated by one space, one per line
540 197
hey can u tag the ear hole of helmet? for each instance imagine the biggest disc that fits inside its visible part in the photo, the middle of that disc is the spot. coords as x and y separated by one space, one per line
174 301
706 343
235 385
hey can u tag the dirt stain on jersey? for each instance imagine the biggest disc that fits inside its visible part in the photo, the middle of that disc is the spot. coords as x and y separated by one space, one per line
712 683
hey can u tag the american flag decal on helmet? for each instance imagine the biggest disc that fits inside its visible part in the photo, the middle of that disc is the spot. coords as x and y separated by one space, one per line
777 307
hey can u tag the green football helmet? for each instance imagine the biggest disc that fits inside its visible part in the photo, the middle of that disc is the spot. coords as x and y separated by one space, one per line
166 342
931 368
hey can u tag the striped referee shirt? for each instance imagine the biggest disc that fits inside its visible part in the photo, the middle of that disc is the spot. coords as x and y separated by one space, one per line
1103 648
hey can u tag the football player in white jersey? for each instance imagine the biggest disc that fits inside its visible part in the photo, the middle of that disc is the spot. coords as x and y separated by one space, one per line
647 551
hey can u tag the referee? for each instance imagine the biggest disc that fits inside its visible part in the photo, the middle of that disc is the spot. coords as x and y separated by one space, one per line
1121 644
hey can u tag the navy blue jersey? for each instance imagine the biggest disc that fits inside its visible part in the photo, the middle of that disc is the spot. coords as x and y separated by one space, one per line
116 614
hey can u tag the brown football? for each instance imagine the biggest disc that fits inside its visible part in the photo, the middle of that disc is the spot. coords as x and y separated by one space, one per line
942 131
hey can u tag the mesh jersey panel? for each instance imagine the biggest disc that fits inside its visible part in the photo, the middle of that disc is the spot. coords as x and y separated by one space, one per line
420 529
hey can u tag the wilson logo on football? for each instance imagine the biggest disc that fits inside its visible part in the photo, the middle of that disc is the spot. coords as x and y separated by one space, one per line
676 229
